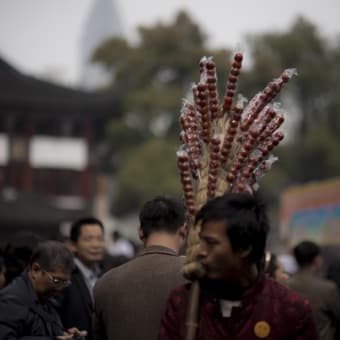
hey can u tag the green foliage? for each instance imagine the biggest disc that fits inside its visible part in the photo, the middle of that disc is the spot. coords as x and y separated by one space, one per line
303 48
146 170
312 154
153 76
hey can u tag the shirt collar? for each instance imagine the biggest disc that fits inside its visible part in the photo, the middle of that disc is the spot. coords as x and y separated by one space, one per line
87 272
157 250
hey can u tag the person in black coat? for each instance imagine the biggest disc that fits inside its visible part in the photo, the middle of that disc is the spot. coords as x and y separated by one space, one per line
26 311
74 304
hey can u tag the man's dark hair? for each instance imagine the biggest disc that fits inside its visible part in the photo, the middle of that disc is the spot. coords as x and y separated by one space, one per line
53 255
116 235
245 220
305 252
162 214
78 224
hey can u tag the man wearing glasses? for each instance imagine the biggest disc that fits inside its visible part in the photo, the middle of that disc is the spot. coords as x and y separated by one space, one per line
25 307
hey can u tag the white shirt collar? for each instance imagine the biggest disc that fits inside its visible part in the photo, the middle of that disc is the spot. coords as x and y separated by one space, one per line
89 274
227 306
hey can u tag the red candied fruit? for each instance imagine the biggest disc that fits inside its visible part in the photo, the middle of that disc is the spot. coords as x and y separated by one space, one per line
238 57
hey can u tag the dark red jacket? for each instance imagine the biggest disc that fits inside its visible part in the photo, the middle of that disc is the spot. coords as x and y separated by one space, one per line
268 311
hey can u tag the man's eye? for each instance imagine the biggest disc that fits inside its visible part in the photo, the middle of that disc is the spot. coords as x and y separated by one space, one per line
209 241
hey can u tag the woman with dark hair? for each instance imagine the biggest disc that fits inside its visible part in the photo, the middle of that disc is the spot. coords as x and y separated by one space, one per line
274 268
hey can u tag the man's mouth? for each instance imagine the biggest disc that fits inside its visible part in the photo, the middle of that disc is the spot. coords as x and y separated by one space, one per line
95 254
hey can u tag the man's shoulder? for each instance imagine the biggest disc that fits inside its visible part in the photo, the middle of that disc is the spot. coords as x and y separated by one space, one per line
179 295
139 263
16 298
17 290
311 283
181 290
325 284
285 297
146 267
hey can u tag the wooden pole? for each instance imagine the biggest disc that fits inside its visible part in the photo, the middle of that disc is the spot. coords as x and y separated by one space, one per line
191 324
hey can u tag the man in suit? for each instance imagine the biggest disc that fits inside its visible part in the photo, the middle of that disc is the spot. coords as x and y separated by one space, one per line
130 299
75 304
322 294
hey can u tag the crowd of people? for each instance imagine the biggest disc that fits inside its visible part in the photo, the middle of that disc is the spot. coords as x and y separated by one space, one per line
69 290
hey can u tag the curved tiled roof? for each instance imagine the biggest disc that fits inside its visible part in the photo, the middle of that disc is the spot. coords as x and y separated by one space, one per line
23 93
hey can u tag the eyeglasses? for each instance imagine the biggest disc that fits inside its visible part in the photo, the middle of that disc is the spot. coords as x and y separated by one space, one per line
59 283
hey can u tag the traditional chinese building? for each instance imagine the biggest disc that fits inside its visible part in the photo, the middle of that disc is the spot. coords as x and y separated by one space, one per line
49 161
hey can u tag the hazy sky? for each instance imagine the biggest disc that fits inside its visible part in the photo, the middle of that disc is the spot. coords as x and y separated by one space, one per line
40 36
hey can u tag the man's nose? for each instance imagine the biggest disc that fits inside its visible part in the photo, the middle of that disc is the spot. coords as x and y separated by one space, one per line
202 252
97 242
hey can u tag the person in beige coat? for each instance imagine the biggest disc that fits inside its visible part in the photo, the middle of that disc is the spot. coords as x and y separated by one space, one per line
129 300
321 293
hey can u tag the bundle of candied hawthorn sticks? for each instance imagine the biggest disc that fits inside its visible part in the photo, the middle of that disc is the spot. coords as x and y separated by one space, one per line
227 147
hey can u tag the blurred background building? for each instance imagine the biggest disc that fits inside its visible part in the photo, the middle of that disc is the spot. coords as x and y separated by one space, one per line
53 162
50 166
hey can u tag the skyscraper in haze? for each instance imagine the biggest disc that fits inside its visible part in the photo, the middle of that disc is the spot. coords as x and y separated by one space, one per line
103 22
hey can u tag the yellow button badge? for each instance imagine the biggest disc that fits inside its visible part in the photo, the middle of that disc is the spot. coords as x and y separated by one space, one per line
262 329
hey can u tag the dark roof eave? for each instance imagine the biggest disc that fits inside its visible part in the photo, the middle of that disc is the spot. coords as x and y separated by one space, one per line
19 92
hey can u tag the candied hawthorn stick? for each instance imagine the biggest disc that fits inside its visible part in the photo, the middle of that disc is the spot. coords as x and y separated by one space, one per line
203 110
188 190
271 127
259 125
188 122
230 134
213 166
240 158
260 100
232 81
212 88
258 162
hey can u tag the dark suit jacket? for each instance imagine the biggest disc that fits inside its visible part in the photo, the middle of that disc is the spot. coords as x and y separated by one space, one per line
324 299
130 299
23 316
75 305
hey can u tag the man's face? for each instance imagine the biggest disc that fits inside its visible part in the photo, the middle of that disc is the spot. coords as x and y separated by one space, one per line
216 255
49 283
90 244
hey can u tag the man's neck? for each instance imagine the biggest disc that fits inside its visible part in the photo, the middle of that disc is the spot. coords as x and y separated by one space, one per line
251 274
41 298
89 265
234 291
164 240
313 270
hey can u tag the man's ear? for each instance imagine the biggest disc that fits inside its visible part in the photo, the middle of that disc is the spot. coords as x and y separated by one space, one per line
183 231
35 267
141 234
245 252
317 262
73 247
